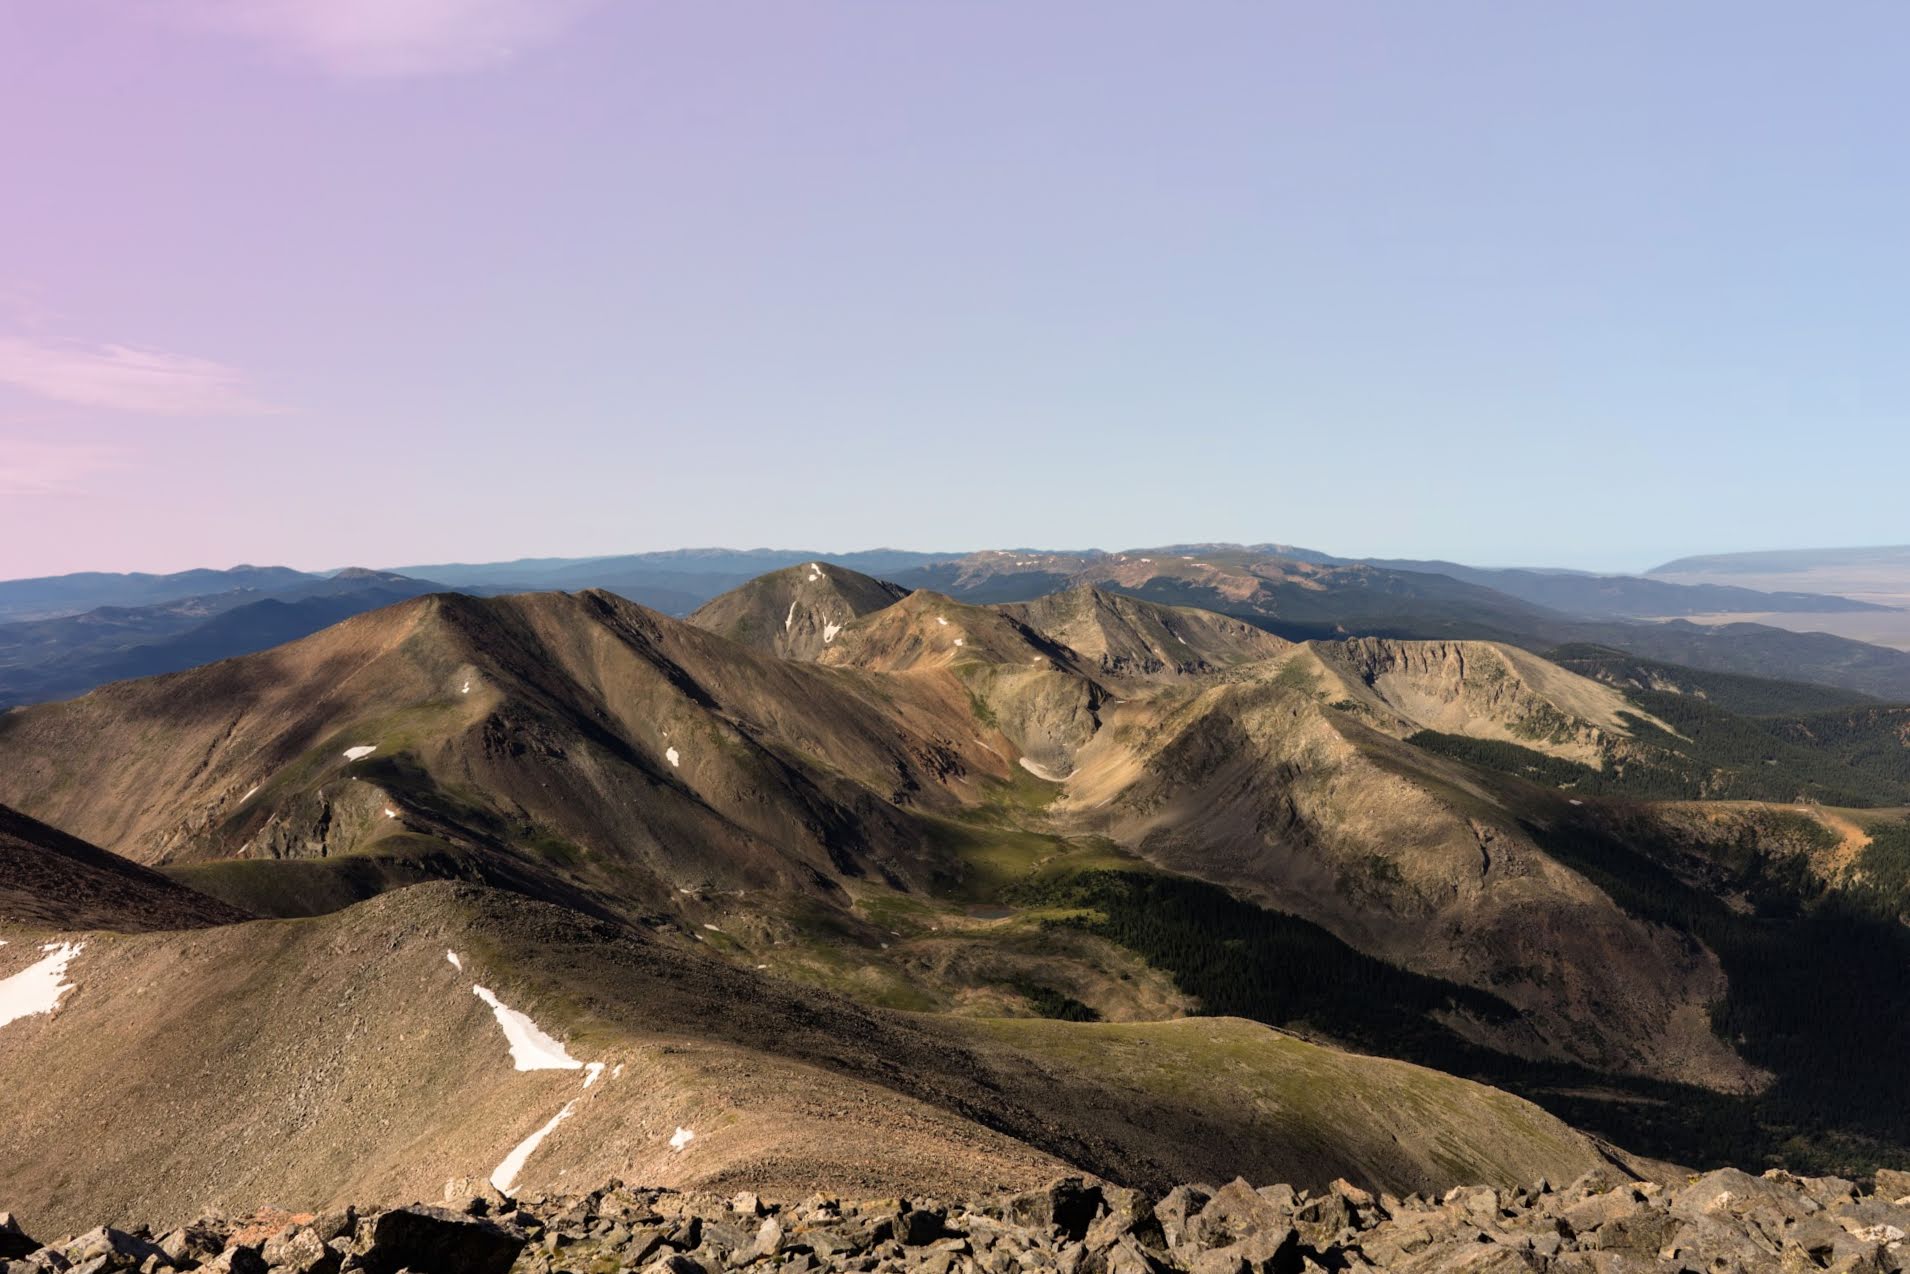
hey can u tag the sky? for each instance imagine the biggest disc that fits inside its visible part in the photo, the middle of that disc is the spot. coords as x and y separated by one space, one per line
337 282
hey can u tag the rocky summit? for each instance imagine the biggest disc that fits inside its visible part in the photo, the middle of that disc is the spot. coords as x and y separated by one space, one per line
1723 1222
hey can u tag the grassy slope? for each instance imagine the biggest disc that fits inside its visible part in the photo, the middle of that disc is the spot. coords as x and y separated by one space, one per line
344 1057
1288 1110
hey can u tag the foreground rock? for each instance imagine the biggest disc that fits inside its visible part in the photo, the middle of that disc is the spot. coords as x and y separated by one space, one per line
1725 1222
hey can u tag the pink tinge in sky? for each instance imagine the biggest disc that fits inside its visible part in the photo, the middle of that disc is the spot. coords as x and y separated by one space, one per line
396 37
33 468
120 378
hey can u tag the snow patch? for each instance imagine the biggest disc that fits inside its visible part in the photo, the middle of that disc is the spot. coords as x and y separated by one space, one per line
456 962
681 1138
712 928
669 754
1041 771
390 812
362 750
40 986
592 1070
829 632
941 621
790 618
465 689
249 793
531 1048
616 1071
504 1176
815 571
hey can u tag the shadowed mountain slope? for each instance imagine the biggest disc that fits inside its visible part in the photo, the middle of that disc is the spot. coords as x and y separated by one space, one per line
1287 786
554 737
54 881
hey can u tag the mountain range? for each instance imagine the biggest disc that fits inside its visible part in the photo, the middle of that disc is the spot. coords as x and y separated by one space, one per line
867 883
68 634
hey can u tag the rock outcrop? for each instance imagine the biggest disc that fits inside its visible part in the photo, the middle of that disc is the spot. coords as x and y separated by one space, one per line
1725 1222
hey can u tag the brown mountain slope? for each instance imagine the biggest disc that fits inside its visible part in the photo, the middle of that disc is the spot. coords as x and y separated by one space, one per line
542 740
1129 638
1483 690
1041 695
350 1057
1041 671
51 880
1271 783
796 612
585 750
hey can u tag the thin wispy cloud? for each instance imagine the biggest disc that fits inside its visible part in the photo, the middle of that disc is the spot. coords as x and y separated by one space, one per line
122 378
396 37
32 468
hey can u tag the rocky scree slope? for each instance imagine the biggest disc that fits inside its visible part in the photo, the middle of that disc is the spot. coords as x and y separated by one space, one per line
1725 1222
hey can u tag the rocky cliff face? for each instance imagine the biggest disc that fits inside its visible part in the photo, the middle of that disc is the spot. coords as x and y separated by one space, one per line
1725 1222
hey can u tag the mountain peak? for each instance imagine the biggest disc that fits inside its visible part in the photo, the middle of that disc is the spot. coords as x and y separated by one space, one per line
798 611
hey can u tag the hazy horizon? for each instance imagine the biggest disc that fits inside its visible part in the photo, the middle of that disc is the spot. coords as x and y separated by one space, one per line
330 567
330 281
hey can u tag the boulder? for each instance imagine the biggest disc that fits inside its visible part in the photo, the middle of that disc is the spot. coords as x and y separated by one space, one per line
1176 1208
1127 1256
196 1241
1235 1212
1354 1196
1730 1192
300 1251
239 1258
105 1249
1601 1209
428 1240
768 1242
919 1227
1128 1215
677 1263
1717 1244
1070 1205
44 1260
13 1240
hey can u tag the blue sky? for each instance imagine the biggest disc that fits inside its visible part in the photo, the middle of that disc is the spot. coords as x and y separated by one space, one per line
358 281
